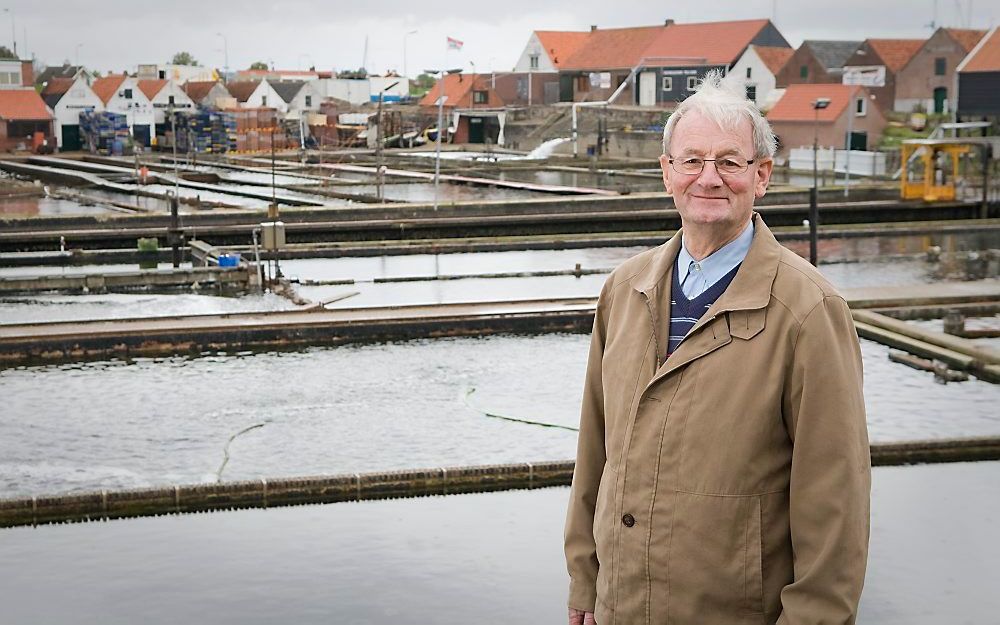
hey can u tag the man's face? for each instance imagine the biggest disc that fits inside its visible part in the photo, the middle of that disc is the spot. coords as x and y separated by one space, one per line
711 198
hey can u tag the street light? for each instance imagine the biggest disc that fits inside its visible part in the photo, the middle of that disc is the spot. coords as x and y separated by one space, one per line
225 53
408 33
818 105
440 130
379 140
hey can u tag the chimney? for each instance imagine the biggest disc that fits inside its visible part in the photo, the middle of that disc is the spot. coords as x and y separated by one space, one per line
593 27
27 73
668 22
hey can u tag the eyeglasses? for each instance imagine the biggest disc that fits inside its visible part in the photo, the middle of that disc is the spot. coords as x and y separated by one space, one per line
692 166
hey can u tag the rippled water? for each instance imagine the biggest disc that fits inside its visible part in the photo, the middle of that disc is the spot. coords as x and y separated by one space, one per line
358 408
488 558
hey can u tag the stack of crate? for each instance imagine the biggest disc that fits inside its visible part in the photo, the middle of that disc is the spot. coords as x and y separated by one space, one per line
105 132
206 132
254 129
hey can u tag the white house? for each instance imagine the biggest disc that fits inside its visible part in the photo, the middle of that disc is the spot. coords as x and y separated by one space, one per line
121 94
68 98
362 90
165 94
178 73
756 70
299 97
546 50
264 95
209 93
13 73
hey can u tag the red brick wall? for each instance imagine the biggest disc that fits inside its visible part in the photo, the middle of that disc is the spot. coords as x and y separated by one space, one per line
27 74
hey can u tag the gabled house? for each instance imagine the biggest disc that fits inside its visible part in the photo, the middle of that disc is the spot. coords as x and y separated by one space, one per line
298 97
547 50
887 57
927 80
979 79
242 91
25 120
208 93
796 122
463 91
121 94
756 70
473 108
67 98
165 95
264 95
816 62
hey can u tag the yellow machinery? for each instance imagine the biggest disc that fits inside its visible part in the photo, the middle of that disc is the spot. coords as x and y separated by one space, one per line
930 168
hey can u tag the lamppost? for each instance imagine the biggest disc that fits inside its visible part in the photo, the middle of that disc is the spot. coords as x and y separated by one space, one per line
441 98
379 140
818 105
408 33
225 54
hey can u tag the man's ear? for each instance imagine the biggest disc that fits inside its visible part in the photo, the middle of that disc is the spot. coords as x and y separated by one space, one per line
762 177
665 167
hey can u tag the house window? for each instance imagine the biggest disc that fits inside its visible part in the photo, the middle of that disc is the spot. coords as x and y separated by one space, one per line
263 100
170 100
480 97
668 83
939 66
692 83
128 94
748 72
860 107
752 93
309 100
533 59
804 71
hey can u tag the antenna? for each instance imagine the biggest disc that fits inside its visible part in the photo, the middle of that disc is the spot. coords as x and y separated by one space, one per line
364 57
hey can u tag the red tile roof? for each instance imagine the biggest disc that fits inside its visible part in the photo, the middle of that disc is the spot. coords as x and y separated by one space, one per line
560 45
895 53
986 58
458 89
197 90
613 48
774 58
22 104
106 87
965 37
242 90
711 43
796 105
152 87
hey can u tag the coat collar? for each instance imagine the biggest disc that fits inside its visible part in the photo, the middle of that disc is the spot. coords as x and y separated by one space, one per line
750 289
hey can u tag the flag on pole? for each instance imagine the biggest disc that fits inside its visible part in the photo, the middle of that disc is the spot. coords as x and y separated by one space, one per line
454 44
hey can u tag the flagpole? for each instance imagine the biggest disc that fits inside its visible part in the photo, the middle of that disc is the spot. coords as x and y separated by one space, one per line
437 153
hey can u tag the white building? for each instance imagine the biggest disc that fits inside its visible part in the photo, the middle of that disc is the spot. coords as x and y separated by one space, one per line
362 90
298 97
68 98
12 74
757 69
121 94
164 94
178 73
547 50
265 95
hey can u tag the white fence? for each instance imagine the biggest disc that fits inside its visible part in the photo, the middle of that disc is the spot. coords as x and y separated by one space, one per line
861 163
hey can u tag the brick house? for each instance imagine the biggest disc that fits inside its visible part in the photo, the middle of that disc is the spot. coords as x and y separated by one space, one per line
25 120
979 79
816 62
473 107
927 81
888 57
795 122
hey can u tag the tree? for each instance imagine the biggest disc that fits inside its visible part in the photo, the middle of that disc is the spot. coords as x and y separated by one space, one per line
183 58
5 53
258 65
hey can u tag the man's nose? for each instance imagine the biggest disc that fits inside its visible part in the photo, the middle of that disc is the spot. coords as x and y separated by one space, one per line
709 176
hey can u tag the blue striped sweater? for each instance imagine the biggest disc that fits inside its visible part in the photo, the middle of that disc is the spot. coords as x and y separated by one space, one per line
685 313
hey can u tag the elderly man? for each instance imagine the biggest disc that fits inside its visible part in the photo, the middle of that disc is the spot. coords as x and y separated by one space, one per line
723 470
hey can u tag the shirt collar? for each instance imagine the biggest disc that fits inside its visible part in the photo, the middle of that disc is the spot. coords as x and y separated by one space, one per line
718 263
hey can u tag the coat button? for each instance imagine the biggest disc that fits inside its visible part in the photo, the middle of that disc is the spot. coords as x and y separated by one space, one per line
628 520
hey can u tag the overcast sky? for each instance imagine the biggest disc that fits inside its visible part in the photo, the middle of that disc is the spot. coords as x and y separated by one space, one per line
117 35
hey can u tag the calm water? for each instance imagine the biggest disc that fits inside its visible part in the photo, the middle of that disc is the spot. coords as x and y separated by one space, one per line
87 426
489 558
47 207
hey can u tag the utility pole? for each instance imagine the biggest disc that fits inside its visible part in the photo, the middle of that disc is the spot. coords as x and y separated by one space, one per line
818 105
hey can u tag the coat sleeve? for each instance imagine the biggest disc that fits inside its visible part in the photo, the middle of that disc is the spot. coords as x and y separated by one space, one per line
830 487
581 550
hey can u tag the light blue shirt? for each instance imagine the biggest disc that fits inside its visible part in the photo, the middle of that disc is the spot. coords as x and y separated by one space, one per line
696 276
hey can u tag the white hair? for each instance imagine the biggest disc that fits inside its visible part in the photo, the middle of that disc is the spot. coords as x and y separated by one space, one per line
724 102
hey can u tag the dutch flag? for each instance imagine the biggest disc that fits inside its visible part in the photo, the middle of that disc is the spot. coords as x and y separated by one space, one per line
454 44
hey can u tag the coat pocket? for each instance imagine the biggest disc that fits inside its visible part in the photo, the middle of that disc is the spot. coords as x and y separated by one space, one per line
715 560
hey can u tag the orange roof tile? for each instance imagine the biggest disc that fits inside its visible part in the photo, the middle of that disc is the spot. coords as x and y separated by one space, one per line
710 43
967 38
560 45
152 87
242 90
774 58
106 87
197 90
895 53
458 89
796 105
987 57
22 104
613 48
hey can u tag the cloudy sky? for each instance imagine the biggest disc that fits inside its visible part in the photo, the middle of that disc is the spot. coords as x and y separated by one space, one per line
117 35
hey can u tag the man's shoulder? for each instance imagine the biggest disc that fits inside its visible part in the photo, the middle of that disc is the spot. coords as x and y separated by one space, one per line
799 286
634 266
